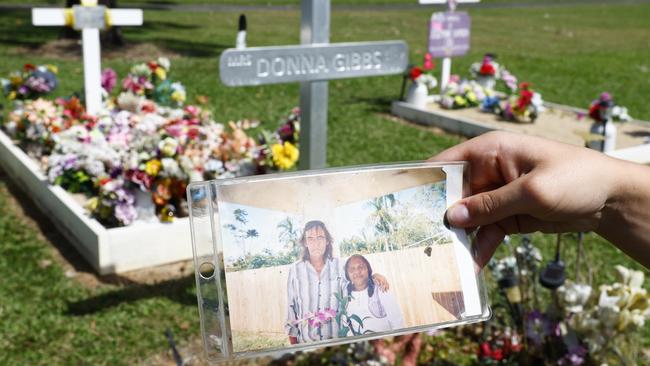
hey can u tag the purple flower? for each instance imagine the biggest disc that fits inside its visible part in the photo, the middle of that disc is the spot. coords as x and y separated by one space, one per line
109 79
126 213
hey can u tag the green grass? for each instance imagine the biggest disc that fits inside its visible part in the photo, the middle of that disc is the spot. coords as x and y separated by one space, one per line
570 54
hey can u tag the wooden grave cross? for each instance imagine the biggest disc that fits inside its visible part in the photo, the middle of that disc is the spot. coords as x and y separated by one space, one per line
89 18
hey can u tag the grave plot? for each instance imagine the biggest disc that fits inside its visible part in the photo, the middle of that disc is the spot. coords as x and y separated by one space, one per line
557 122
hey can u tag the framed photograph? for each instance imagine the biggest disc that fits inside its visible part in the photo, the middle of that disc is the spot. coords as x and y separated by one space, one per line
315 258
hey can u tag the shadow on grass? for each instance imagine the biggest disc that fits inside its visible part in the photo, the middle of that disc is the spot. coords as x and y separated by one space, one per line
176 290
16 30
377 105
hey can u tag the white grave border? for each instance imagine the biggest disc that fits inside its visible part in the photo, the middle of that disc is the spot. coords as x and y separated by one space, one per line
137 246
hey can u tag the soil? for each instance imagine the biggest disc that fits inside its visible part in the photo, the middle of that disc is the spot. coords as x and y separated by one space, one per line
70 49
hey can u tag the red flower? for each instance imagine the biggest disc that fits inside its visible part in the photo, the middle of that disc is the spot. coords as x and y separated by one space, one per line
497 354
485 350
152 66
29 67
415 73
487 69
524 85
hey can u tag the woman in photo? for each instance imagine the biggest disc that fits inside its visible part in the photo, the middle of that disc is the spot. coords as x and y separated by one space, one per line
313 281
378 310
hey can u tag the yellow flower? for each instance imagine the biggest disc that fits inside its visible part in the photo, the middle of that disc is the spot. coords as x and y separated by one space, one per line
161 73
91 204
52 68
12 95
178 96
15 79
152 167
284 156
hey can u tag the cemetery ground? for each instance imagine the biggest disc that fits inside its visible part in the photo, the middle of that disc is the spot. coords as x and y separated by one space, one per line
54 310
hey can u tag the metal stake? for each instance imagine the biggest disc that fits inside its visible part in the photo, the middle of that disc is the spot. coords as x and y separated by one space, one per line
314 28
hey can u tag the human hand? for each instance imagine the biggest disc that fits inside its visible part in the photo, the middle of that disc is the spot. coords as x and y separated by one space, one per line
381 282
523 184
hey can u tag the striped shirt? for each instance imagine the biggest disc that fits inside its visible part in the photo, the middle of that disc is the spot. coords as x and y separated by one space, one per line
309 292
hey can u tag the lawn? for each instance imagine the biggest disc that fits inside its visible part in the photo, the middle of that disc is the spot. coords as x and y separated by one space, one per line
570 54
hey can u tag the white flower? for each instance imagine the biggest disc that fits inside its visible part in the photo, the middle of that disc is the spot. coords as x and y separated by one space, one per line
164 62
141 70
574 296
429 80
129 101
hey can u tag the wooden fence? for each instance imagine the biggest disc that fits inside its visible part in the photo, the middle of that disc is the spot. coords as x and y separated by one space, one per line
427 289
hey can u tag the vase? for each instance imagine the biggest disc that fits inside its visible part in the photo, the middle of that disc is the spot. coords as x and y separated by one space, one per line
608 130
144 206
487 82
417 95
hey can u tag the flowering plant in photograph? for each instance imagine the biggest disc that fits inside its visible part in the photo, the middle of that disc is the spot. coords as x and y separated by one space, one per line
30 83
135 157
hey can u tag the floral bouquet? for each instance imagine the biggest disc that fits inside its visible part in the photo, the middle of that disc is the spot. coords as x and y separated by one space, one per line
30 83
604 108
524 107
463 94
424 74
279 151
134 159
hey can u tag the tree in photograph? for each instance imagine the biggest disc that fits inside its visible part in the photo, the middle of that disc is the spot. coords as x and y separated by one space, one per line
239 230
382 218
290 236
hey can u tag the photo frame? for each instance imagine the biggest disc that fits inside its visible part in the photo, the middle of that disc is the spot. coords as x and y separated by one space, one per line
300 260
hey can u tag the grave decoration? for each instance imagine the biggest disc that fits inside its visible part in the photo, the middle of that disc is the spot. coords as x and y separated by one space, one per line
488 72
575 324
422 80
463 93
603 130
134 158
524 107
30 82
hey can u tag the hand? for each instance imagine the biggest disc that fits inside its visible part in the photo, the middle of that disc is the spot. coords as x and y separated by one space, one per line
523 184
381 282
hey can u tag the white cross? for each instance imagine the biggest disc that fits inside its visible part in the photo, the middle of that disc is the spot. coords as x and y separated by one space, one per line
90 19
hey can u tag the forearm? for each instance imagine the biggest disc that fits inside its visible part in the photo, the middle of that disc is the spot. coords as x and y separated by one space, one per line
626 216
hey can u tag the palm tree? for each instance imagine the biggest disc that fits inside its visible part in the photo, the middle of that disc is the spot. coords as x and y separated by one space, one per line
383 218
289 235
239 231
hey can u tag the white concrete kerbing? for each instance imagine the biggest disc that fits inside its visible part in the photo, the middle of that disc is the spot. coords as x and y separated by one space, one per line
115 250
469 128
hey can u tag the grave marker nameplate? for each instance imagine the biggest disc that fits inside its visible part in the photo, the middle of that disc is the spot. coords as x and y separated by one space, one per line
448 35
312 64
271 65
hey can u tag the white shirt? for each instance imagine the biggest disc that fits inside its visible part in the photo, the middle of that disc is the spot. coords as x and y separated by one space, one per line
376 320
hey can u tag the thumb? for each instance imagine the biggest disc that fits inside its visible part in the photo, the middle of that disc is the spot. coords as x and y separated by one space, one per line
488 207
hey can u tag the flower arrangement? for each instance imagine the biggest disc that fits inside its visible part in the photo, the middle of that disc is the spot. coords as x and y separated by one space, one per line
488 72
604 108
524 107
279 151
30 83
134 159
463 94
424 74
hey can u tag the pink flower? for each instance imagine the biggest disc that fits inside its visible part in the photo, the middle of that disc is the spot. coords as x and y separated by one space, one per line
109 79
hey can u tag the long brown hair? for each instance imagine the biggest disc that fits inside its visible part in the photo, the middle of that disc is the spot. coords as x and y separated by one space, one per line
328 237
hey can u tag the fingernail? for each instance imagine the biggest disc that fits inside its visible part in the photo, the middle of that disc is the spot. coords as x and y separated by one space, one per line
458 215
